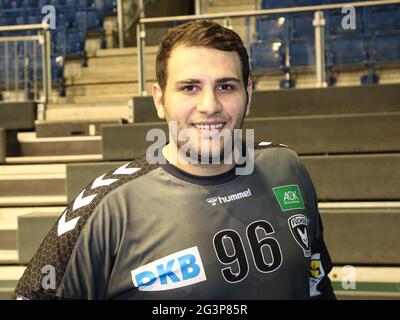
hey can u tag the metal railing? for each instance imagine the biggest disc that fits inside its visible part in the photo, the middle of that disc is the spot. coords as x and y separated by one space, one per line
41 39
319 24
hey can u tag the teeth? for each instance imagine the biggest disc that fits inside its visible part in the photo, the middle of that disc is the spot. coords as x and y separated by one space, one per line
209 127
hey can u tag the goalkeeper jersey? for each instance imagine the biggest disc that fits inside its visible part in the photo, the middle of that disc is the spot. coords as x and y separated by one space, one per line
146 231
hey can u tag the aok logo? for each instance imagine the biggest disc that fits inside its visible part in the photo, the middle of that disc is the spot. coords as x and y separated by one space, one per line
289 197
177 270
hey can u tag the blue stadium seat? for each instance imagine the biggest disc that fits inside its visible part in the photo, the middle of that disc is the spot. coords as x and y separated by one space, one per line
267 55
302 3
345 50
75 41
302 53
302 26
272 4
272 28
387 47
87 20
385 19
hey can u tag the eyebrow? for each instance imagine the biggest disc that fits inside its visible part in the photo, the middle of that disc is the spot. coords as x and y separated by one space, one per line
196 81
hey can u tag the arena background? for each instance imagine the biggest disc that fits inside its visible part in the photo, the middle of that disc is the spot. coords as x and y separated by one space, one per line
74 103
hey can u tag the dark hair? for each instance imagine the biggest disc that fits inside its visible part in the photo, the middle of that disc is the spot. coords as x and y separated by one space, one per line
204 34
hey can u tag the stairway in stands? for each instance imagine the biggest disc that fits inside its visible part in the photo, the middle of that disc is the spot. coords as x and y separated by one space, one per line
101 92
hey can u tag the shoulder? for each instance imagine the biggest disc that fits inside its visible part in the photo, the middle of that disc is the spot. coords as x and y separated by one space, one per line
274 150
86 202
58 246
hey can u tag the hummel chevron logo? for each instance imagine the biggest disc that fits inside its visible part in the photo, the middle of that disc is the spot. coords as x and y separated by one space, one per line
65 226
81 201
99 182
125 170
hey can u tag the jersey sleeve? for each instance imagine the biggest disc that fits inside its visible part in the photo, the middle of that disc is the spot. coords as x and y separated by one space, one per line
75 257
321 263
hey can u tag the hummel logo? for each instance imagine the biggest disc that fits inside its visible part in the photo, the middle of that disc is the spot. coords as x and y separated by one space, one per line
212 201
230 198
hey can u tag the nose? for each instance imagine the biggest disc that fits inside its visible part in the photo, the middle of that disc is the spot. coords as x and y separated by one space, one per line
208 102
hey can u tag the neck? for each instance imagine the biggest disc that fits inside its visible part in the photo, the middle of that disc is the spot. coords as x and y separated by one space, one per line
195 169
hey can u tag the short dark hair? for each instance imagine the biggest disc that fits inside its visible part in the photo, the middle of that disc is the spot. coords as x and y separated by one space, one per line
204 34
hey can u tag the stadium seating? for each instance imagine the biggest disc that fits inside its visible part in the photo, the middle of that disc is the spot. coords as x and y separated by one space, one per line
374 41
74 19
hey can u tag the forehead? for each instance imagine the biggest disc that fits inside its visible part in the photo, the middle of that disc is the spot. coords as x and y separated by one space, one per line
201 62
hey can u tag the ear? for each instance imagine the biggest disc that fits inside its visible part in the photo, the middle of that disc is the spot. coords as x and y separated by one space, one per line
158 100
249 94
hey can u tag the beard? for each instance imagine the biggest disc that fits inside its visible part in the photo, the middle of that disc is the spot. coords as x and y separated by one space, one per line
206 150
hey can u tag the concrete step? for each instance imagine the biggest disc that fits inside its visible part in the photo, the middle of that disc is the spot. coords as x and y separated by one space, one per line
102 90
80 174
54 159
90 99
32 229
131 68
12 170
364 234
88 112
75 128
102 78
8 257
345 133
8 227
9 223
118 52
29 201
355 177
9 276
31 145
371 282
33 183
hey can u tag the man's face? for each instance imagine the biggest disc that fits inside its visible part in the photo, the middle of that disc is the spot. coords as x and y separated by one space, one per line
204 93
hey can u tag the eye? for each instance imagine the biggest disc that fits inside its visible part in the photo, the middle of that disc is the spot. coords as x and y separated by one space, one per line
226 87
191 89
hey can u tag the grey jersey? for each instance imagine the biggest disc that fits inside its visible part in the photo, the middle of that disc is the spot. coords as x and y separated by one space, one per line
155 232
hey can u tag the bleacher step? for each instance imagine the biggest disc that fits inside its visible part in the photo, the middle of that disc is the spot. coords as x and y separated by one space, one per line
54 159
9 276
31 181
89 99
106 89
8 257
31 145
28 201
369 282
32 229
124 51
70 112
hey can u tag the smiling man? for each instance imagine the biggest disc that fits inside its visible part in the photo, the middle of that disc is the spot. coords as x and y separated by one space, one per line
186 229
207 91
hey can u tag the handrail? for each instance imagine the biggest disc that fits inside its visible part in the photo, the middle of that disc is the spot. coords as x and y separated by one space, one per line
241 14
45 40
25 27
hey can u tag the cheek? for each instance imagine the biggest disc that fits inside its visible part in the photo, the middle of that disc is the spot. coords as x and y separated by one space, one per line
178 109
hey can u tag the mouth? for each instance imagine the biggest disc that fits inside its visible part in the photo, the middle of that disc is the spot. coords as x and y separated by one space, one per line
209 129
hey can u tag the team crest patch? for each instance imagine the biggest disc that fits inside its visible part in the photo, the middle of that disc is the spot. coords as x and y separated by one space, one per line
298 225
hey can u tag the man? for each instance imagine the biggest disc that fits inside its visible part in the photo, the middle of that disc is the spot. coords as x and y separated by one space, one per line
189 227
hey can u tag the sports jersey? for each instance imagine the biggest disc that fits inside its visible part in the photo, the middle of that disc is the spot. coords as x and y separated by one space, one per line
146 231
